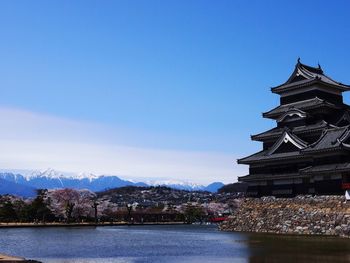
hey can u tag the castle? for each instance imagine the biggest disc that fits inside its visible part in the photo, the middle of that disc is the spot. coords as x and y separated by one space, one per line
309 150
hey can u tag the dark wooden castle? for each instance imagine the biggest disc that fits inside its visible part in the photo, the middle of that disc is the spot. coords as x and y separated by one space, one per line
309 150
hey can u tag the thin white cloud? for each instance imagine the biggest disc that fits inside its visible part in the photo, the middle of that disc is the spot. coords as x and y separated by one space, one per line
35 141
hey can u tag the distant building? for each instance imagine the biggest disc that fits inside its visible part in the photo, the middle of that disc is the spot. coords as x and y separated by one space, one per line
309 150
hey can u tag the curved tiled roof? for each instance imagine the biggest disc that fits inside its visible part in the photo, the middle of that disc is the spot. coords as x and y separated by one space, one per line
344 117
326 168
270 155
277 132
264 156
304 75
285 138
258 177
300 105
331 139
292 112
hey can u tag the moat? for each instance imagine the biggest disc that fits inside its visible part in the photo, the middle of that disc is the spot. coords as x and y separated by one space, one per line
184 243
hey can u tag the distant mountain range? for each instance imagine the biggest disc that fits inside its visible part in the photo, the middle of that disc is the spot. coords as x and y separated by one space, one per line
8 187
24 183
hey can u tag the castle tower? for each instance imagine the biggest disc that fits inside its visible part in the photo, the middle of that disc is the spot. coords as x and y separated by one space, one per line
308 152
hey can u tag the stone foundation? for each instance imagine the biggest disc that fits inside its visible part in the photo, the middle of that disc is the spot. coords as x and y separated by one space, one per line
305 215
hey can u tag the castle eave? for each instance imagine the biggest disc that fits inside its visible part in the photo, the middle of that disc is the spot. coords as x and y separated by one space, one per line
277 132
300 105
262 177
326 169
263 156
309 82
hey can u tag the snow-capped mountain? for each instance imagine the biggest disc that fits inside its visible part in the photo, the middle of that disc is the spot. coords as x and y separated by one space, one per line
47 173
185 185
177 184
53 179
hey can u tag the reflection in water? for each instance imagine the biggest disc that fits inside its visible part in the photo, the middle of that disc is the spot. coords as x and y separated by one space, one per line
171 244
281 248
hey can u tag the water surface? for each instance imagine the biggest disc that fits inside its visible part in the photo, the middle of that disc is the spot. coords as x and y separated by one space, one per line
185 243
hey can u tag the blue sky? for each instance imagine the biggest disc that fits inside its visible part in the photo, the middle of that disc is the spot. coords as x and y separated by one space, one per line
175 77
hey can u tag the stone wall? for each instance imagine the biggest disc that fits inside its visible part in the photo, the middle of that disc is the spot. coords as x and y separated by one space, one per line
307 215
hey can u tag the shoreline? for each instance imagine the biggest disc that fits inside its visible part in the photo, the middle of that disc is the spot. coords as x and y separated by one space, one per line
41 225
286 234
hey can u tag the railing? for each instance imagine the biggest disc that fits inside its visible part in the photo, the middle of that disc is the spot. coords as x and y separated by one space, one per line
346 186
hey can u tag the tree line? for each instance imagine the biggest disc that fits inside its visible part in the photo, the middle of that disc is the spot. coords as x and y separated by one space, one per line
73 206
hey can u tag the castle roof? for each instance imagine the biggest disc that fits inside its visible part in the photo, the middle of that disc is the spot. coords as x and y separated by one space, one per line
304 75
300 105
277 132
325 169
334 138
264 156
331 139
258 177
272 153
